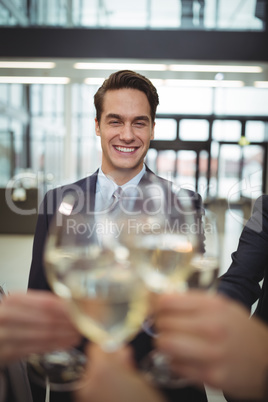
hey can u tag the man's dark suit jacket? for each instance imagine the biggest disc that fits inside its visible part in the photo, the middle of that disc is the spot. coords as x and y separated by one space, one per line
250 263
86 189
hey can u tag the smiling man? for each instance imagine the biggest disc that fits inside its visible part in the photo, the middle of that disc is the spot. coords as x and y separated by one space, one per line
125 128
125 119
125 112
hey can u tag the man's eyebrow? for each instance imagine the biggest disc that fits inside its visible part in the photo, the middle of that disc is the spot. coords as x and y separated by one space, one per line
118 116
145 118
113 116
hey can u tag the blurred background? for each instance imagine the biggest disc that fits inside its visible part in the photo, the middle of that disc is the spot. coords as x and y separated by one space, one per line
209 62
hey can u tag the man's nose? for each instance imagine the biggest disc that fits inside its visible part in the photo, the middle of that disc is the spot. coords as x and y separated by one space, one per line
127 133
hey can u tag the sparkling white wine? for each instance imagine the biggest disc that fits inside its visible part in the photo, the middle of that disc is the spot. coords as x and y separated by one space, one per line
164 264
108 300
110 322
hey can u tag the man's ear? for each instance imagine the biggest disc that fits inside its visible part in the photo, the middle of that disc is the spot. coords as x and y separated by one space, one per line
97 127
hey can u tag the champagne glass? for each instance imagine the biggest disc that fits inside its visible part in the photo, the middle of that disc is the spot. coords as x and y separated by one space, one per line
161 237
166 243
196 266
88 267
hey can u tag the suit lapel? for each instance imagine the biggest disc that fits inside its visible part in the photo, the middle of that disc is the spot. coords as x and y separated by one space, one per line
88 187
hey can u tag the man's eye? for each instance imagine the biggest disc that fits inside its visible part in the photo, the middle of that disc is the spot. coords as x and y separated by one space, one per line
139 124
114 122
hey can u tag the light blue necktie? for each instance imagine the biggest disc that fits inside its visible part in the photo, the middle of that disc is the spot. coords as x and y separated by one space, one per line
116 207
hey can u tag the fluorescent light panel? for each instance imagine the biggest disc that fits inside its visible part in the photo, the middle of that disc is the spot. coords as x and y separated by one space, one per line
171 67
201 83
26 64
261 84
215 68
34 80
181 83
120 66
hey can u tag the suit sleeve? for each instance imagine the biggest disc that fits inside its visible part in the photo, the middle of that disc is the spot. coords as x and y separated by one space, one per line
249 261
37 278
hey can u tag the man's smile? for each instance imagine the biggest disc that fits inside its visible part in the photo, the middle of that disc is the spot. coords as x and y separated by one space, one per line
125 149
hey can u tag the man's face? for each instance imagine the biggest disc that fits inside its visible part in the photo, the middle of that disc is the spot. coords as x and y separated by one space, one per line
126 129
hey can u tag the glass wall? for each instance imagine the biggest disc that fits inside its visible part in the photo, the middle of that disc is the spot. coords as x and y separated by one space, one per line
236 166
13 119
156 14
63 146
48 131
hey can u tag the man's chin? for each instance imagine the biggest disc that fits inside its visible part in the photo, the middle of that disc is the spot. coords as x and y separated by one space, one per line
128 165
125 171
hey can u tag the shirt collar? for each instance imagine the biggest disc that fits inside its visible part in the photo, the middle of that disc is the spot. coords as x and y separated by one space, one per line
107 186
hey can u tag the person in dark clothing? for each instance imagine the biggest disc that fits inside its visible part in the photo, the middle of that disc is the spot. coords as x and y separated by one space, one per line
125 118
250 263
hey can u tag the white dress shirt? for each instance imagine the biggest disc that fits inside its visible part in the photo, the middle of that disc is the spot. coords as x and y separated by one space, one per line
106 187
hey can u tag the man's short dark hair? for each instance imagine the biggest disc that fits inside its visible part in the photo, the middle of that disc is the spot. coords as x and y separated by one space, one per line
126 79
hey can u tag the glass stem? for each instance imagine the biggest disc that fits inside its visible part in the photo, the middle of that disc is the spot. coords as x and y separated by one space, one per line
47 390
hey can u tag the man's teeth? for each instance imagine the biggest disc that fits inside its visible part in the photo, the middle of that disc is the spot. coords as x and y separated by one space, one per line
123 149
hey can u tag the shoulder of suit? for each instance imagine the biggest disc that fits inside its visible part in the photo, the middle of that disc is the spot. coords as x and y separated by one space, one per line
189 193
79 185
261 204
179 191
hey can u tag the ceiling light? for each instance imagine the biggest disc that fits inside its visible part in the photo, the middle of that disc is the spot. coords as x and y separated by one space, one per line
215 68
34 80
204 83
181 83
94 81
26 64
261 84
120 66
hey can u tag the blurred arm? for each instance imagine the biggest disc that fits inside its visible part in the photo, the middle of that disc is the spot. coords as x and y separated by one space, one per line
112 377
210 339
35 322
